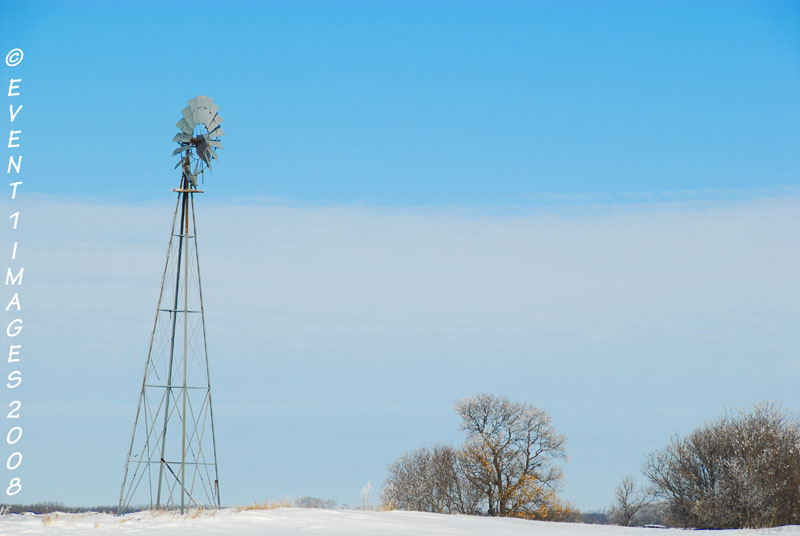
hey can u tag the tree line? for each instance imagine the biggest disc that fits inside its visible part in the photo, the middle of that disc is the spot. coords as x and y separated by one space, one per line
741 470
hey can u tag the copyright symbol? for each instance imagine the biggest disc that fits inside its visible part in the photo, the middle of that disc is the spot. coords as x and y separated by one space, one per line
14 57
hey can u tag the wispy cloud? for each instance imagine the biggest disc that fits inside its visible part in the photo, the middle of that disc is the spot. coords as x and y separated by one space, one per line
684 306
312 277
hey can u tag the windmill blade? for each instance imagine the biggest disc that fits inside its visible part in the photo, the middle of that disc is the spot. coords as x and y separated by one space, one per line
202 115
185 127
208 102
214 122
182 137
216 133
201 101
203 109
198 101
180 150
187 114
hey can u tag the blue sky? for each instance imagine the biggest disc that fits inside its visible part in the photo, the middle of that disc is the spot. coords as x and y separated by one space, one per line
422 103
591 206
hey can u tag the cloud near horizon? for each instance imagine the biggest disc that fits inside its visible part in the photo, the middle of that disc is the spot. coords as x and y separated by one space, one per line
334 309
597 274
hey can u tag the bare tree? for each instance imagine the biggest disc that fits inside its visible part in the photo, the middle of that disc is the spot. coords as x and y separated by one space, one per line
455 493
430 480
510 456
365 491
741 471
507 466
629 501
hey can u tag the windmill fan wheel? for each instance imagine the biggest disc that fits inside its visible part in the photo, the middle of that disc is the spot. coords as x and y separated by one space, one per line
198 138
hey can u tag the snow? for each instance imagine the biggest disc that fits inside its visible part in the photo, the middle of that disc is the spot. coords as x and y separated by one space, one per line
304 521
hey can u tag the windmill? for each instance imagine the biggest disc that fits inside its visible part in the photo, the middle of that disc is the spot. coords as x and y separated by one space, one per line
172 458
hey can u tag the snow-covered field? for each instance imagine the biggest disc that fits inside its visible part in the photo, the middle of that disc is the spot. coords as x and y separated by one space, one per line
300 521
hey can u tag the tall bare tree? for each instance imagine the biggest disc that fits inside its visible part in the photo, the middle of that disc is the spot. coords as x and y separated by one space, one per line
511 455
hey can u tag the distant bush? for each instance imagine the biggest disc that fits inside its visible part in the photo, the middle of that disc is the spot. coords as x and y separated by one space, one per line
315 502
593 518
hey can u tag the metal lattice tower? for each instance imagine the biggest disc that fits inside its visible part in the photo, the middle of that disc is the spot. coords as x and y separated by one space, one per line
172 459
